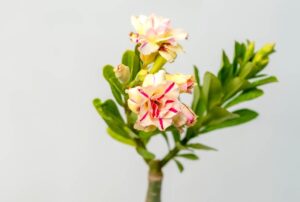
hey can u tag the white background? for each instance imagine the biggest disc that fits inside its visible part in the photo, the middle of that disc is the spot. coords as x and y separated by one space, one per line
53 145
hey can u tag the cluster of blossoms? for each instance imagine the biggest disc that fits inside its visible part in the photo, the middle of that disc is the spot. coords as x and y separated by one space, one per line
156 99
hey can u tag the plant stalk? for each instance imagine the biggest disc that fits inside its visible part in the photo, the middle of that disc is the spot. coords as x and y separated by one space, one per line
154 181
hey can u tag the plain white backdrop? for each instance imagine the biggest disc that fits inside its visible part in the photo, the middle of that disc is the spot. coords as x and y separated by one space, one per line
53 145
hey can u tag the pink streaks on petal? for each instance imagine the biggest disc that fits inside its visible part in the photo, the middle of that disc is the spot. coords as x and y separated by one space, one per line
161 124
173 110
143 93
169 88
144 116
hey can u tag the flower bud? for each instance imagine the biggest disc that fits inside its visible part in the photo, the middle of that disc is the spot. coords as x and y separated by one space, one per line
264 52
122 73
261 58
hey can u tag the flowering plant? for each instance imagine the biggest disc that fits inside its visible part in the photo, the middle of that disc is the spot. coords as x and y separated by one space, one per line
150 95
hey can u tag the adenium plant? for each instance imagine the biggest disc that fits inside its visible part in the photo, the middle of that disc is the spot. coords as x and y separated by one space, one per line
150 95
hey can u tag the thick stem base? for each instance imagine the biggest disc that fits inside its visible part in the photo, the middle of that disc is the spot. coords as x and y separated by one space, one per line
154 182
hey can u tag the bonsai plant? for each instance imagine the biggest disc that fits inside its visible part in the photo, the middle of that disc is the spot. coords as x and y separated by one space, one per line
149 95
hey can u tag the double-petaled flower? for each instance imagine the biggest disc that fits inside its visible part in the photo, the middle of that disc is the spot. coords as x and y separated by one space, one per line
154 35
157 104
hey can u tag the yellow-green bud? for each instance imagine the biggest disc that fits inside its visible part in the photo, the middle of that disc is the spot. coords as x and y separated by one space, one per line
250 51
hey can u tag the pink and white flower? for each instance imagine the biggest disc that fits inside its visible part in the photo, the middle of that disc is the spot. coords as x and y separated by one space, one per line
154 34
157 104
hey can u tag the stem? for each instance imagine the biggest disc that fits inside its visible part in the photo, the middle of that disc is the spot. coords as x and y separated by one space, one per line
154 181
173 153
169 156
158 64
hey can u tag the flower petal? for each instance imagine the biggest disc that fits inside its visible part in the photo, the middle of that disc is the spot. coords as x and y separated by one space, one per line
155 79
147 48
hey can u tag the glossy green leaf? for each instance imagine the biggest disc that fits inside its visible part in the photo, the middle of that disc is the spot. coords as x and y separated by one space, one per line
109 112
245 96
120 138
145 153
226 72
189 156
244 116
198 104
212 90
179 165
246 71
218 115
175 132
165 136
115 85
131 60
234 86
249 51
200 147
270 79
196 74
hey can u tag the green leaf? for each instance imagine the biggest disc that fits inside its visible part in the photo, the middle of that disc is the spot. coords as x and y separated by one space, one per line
189 156
212 90
110 109
196 74
165 136
218 115
198 104
120 138
131 60
179 165
175 132
244 116
146 136
226 72
201 147
180 146
245 96
111 115
246 71
196 97
115 85
145 153
249 51
270 79
234 86
239 52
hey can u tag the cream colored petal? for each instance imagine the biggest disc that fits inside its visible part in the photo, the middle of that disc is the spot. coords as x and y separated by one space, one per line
137 126
163 124
171 90
179 34
140 24
136 96
154 79
170 56
133 106
185 82
148 47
